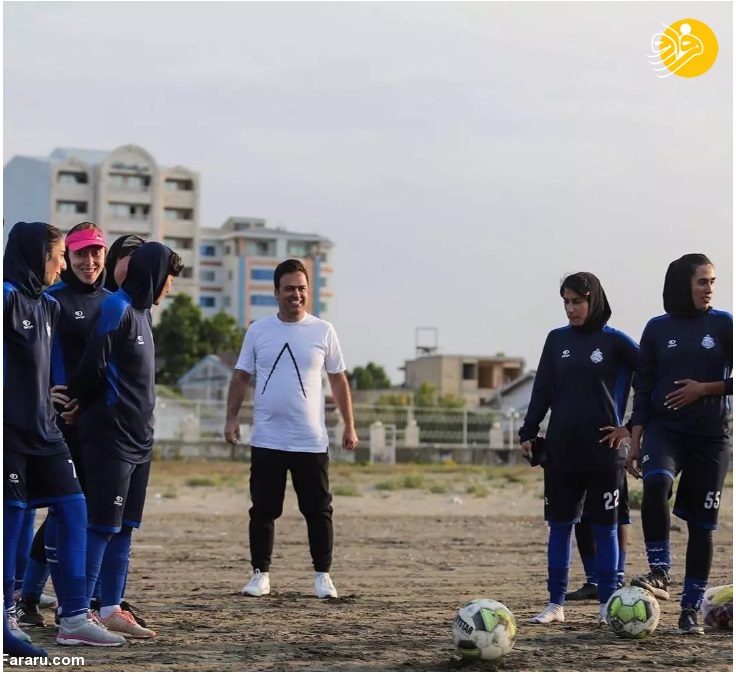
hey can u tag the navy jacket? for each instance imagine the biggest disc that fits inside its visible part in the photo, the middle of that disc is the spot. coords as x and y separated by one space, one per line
115 380
78 313
585 379
673 349
29 319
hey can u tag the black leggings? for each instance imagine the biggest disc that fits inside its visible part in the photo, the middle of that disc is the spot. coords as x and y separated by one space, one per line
655 508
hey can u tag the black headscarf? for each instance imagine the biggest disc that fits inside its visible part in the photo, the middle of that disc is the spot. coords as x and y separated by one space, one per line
121 248
677 293
599 311
24 260
148 269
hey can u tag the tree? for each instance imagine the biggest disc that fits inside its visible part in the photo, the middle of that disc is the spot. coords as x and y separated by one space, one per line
370 377
183 337
221 334
177 338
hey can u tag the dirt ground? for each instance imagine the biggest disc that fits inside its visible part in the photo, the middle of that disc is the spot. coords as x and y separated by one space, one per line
411 545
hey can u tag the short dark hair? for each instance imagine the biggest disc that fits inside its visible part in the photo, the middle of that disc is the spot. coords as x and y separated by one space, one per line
288 267
175 265
53 236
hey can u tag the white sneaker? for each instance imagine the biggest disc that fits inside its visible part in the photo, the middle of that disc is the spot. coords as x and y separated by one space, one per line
602 615
323 586
554 613
258 585
86 630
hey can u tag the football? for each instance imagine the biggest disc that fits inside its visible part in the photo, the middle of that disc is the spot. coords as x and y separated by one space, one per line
484 629
717 607
632 613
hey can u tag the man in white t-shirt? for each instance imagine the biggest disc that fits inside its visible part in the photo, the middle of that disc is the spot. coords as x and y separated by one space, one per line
287 353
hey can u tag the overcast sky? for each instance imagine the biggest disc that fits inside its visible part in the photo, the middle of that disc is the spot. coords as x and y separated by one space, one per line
463 157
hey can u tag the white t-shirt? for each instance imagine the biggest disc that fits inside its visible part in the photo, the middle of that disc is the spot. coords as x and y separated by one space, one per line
288 360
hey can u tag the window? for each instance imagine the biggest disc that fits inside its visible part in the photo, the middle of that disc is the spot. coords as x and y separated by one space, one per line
469 371
296 248
206 301
71 207
226 301
229 274
263 301
128 211
227 250
174 185
261 274
174 243
207 275
69 178
178 213
187 272
261 247
323 307
322 281
207 251
122 181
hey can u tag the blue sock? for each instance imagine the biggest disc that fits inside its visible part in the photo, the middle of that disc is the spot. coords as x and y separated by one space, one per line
115 569
606 553
16 648
49 542
24 546
692 592
621 566
559 554
96 544
589 567
71 549
34 579
658 555
12 528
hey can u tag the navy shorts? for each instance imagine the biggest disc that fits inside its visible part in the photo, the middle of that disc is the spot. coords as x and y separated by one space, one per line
567 490
37 481
702 464
624 511
116 491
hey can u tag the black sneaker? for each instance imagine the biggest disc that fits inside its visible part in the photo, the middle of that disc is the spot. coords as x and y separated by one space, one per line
28 614
587 591
688 622
134 611
656 582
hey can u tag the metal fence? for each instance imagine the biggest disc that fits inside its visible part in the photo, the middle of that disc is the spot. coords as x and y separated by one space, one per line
179 419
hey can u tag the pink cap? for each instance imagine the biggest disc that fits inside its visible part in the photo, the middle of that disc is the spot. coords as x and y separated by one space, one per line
85 237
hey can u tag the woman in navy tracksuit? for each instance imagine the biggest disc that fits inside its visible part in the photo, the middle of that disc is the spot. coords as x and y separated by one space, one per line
584 377
681 408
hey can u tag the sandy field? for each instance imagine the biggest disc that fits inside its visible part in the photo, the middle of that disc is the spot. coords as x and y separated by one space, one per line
412 543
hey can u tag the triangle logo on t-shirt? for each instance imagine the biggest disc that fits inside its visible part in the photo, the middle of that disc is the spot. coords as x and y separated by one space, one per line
286 347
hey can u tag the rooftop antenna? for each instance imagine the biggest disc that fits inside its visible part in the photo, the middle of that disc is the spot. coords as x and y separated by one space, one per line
425 341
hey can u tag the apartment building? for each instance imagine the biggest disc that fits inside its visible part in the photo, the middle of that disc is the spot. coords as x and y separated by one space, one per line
125 191
475 378
237 262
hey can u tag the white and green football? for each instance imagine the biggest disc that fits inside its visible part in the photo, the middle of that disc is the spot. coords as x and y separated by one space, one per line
632 613
484 629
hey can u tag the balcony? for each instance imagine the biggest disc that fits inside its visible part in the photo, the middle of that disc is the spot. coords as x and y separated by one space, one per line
129 225
127 194
179 199
73 191
179 228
